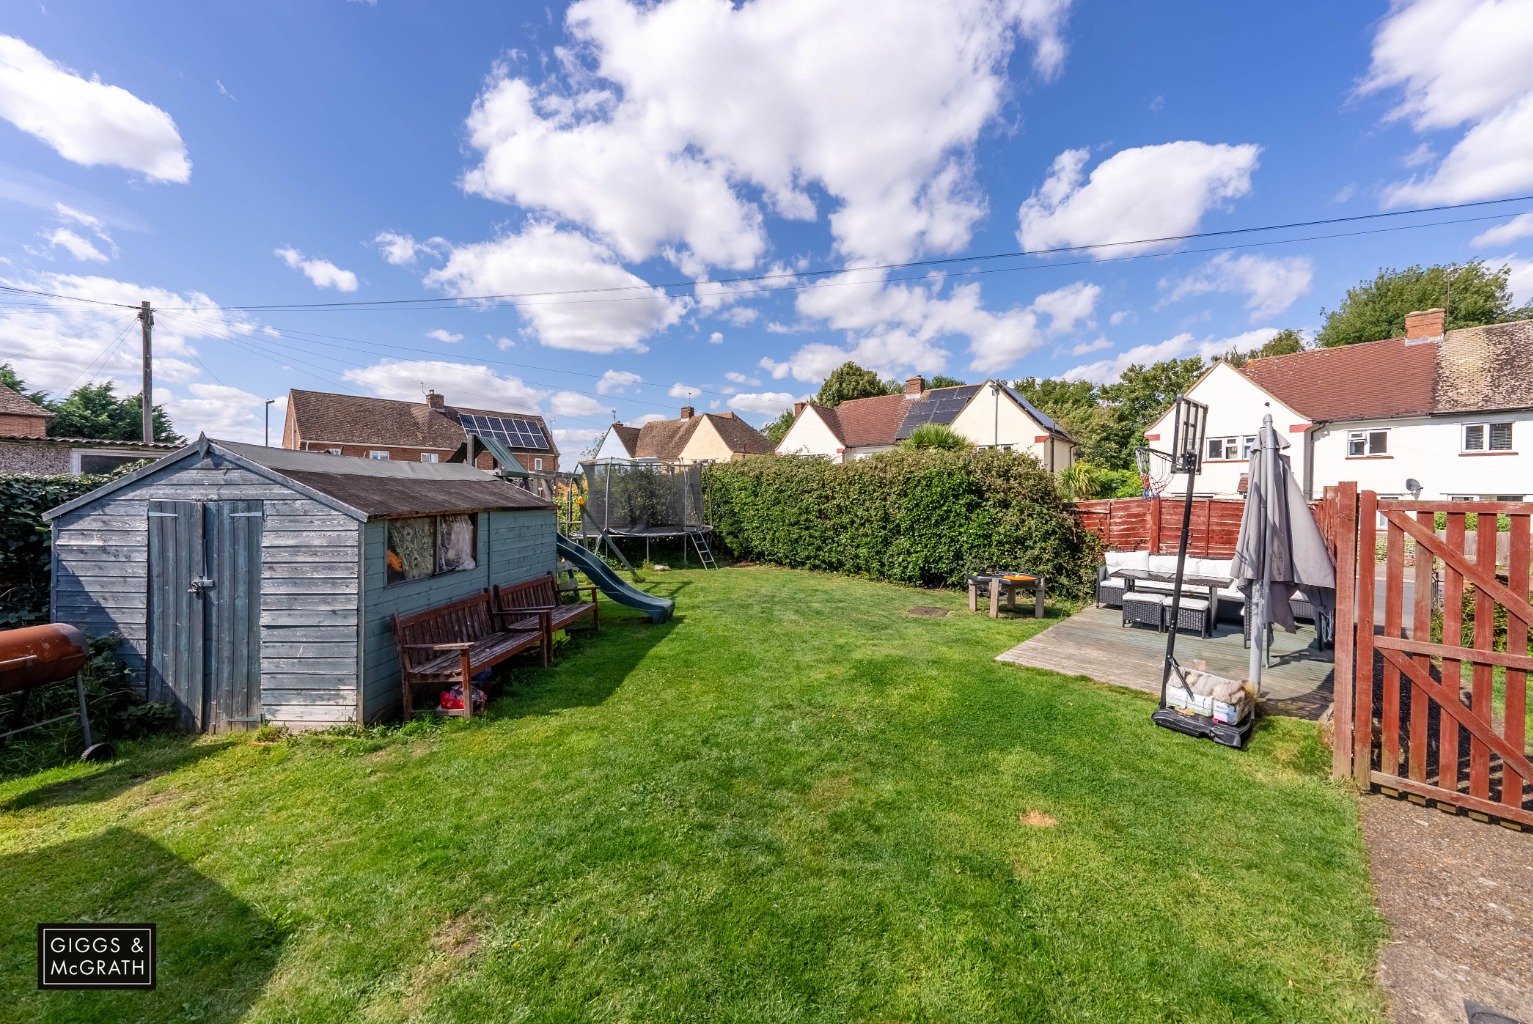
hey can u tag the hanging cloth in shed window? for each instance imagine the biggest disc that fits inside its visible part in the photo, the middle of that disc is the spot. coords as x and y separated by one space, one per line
455 543
412 549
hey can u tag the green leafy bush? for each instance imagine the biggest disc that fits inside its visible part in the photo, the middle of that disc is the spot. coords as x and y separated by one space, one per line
26 542
1440 522
907 516
936 435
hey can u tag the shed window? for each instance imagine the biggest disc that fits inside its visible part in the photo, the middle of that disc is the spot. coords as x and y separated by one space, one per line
424 546
378 455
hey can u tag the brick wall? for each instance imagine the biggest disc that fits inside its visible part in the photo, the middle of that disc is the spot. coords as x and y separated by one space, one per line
16 425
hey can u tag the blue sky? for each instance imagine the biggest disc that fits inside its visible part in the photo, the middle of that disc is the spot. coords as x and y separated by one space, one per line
638 159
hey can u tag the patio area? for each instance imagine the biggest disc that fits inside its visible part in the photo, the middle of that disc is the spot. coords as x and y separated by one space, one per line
1093 642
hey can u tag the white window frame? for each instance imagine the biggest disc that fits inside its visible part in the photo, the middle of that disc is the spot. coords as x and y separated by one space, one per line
430 457
1228 445
332 451
1365 437
537 465
381 456
1487 436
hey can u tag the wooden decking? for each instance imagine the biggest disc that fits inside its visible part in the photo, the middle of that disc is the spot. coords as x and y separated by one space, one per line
1093 642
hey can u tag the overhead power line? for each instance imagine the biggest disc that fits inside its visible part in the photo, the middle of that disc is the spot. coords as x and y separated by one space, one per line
648 289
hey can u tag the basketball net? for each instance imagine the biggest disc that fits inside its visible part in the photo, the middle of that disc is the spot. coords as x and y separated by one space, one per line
1154 471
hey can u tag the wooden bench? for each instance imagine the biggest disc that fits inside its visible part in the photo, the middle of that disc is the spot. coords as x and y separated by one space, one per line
544 594
454 642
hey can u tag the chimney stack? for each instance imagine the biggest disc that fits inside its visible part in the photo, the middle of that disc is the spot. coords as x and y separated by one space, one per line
435 400
686 412
798 409
915 386
1425 324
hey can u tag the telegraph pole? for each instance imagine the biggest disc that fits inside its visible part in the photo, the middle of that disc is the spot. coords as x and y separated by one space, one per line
146 317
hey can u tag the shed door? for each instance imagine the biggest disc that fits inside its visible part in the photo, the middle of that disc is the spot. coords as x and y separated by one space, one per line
205 611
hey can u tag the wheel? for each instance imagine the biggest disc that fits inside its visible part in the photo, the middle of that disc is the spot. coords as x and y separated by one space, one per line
98 752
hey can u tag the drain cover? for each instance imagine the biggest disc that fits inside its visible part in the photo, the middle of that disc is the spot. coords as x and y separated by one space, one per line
929 613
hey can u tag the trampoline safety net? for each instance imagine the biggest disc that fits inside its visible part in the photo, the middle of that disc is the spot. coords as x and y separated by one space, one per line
653 498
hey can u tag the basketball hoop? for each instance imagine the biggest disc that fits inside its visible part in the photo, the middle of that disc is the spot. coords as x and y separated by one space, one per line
1155 470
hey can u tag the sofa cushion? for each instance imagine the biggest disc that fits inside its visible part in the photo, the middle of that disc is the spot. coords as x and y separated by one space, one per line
1162 563
1138 561
1114 560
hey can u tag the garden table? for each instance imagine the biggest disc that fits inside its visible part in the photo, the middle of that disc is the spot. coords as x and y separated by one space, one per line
1010 582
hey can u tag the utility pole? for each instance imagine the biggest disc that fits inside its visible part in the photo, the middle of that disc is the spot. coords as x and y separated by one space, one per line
146 317
269 401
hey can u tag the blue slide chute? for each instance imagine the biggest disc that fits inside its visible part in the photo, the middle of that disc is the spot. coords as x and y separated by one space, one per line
658 609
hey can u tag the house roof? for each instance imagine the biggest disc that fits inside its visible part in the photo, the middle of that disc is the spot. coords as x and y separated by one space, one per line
362 488
888 419
666 439
1467 370
936 405
627 436
353 419
13 403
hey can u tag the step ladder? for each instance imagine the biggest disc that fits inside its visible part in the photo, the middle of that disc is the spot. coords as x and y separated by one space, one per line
704 552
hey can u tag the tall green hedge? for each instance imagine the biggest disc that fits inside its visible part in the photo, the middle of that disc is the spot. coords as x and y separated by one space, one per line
916 517
26 541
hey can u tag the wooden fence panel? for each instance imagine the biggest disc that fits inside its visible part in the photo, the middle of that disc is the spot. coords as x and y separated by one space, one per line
1155 524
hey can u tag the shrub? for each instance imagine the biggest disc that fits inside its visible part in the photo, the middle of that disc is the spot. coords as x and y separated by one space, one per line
26 542
906 516
936 435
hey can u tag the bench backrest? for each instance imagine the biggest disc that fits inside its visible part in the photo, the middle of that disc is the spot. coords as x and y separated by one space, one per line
464 620
540 592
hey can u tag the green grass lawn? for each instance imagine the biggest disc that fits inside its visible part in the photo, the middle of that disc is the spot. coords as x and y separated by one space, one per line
793 803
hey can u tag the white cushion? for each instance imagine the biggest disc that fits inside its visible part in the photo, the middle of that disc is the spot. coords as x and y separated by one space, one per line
1113 584
1140 597
1114 560
1196 604
1136 560
1209 567
1162 563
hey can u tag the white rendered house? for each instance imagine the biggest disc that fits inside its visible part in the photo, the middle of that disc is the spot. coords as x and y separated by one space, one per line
1431 415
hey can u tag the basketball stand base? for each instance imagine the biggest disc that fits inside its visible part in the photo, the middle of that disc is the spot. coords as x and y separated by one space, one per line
1205 727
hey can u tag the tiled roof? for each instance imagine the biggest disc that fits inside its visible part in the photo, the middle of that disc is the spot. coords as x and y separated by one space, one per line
1375 380
13 403
666 439
1472 369
863 422
351 419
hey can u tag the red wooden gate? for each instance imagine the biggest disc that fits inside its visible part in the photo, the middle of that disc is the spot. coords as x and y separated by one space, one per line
1404 717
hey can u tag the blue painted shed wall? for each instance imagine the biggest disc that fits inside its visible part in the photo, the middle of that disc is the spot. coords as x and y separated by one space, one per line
514 545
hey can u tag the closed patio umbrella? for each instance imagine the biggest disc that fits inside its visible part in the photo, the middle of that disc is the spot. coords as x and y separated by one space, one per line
1280 551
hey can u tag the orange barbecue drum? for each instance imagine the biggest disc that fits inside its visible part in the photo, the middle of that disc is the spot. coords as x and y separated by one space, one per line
42 656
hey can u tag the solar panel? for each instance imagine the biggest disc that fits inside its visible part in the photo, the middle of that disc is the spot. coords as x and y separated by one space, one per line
517 433
939 406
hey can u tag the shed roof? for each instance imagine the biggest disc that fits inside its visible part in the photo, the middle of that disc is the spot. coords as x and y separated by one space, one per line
362 488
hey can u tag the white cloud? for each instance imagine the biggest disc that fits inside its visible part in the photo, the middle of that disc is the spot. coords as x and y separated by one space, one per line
1122 316
223 90
616 382
79 248
1182 346
87 121
680 390
223 412
1520 280
322 273
1087 347
1068 306
1422 154
716 338
762 402
740 378
85 220
1149 192
402 250
570 403
740 316
572 441
1520 226
1457 63
462 383
543 258
631 139
1271 284
501 342
446 337
776 369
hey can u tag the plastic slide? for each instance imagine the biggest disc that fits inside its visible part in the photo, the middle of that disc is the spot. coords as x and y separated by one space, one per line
658 609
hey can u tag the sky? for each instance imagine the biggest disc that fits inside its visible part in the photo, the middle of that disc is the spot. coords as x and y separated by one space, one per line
715 204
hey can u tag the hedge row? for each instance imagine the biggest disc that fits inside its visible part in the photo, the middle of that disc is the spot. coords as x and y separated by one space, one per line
916 517
26 540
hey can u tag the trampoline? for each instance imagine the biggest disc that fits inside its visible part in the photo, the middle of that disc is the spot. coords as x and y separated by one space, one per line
648 500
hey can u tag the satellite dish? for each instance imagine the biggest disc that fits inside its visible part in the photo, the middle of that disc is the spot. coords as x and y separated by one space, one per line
1413 485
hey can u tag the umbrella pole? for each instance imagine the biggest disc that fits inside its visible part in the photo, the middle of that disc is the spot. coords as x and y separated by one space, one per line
1176 593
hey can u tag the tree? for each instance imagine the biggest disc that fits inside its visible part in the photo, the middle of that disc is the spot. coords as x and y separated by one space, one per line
938 436
849 381
941 381
95 411
1373 310
778 428
11 379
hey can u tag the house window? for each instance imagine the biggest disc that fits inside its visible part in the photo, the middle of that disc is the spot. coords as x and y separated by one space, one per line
333 451
1507 497
378 455
1363 443
428 457
1228 449
423 546
537 465
1487 437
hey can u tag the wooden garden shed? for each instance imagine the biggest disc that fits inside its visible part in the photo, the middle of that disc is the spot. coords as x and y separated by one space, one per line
255 584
